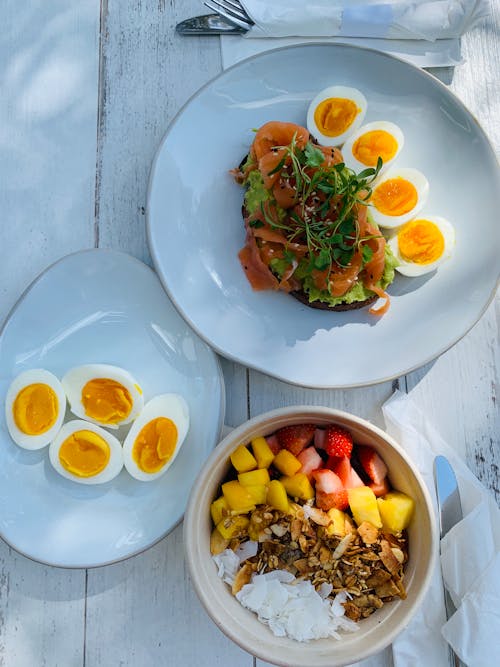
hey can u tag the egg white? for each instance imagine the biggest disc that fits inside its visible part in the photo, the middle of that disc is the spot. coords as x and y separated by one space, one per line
114 465
34 376
171 406
413 269
421 185
336 91
76 378
391 128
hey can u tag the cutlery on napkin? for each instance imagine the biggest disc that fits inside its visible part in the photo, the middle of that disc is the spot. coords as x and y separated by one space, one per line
470 558
424 32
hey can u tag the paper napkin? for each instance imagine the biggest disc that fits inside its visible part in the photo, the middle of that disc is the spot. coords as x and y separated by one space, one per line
423 32
470 557
390 19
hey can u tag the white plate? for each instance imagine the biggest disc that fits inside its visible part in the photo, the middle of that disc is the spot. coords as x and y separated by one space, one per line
105 307
196 230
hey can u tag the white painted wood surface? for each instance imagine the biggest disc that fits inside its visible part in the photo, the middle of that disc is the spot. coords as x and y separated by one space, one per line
87 90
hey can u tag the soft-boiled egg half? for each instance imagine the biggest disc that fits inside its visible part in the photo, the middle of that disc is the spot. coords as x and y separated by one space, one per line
335 113
156 436
103 394
422 244
380 139
86 453
34 408
398 196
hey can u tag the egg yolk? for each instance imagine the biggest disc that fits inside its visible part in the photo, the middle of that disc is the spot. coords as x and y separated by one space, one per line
335 115
370 146
84 454
106 401
35 409
155 444
420 242
396 196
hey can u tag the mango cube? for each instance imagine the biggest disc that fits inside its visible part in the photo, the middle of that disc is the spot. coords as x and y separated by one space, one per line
217 542
287 463
258 493
262 452
396 510
238 497
298 486
276 496
218 509
259 476
337 526
363 504
232 526
242 459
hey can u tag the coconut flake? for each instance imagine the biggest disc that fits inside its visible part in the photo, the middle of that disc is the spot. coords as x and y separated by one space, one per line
228 565
293 608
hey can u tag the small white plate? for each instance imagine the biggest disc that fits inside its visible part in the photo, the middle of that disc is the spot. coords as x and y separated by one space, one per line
104 307
196 230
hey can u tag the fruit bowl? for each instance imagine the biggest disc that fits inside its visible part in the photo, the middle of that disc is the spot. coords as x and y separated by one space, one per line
241 625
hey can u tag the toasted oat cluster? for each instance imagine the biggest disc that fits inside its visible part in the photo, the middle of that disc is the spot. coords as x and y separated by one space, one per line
363 561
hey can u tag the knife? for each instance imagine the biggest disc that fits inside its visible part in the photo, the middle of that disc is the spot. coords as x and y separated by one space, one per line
450 513
210 24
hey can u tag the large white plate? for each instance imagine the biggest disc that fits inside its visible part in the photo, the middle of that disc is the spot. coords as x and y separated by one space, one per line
104 307
196 230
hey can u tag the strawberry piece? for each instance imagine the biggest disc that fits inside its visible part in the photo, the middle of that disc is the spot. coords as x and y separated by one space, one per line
342 467
380 489
372 464
273 443
338 441
326 501
310 460
295 438
319 438
327 481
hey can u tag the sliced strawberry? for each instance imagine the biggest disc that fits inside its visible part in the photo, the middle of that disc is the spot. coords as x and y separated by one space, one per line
326 501
310 460
338 441
372 464
342 467
273 443
295 438
319 438
327 481
380 489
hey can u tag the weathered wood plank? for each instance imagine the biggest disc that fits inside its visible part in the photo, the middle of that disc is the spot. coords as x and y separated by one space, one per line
48 120
149 72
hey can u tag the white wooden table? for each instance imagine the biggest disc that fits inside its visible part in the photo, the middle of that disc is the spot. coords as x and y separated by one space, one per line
87 90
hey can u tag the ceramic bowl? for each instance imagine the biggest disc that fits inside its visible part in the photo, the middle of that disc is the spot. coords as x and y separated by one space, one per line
240 624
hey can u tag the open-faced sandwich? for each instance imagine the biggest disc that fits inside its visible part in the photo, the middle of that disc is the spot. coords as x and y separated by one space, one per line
307 229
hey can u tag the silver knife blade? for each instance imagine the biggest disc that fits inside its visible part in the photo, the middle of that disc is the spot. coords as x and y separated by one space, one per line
209 24
450 513
448 495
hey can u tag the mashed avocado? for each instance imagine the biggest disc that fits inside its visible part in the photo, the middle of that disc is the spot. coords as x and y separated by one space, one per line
255 195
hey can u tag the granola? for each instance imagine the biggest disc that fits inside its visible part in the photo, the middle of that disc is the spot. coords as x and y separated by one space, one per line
366 563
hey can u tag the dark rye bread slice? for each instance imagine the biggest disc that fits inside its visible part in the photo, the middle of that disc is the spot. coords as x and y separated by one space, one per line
302 296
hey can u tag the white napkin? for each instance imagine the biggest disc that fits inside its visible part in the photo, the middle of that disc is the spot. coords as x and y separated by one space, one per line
423 32
470 558
392 19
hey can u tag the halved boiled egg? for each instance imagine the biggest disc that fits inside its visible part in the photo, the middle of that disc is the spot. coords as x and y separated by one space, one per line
86 453
371 141
398 196
422 244
103 394
156 436
335 113
34 408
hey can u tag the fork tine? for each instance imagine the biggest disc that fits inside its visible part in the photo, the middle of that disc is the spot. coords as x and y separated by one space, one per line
237 5
229 13
233 8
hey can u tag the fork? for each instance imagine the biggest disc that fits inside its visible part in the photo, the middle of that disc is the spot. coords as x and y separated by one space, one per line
232 11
